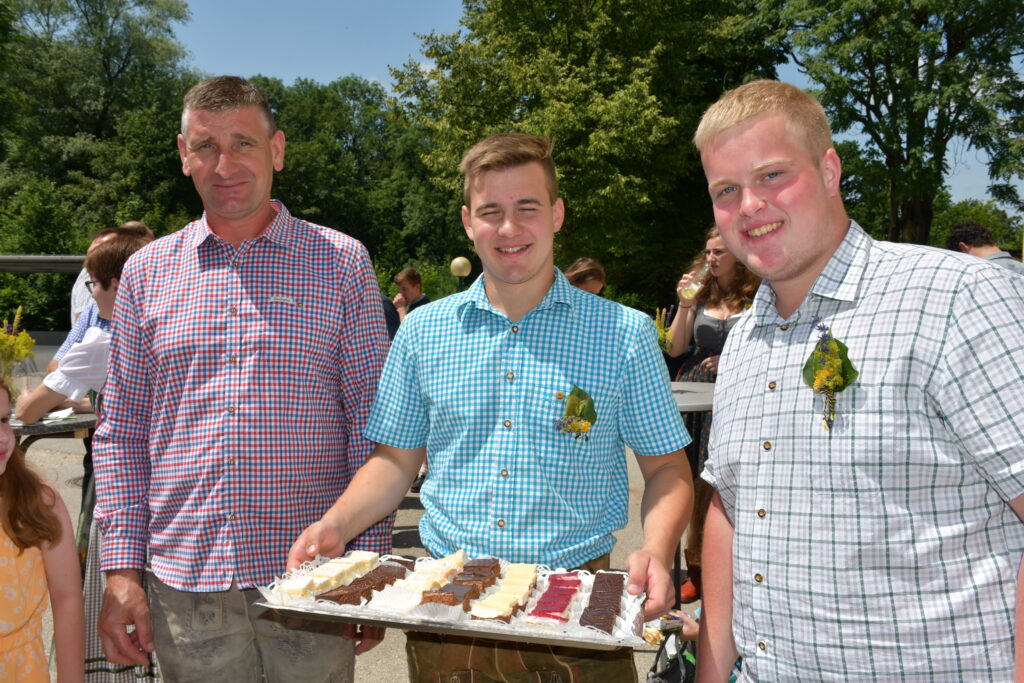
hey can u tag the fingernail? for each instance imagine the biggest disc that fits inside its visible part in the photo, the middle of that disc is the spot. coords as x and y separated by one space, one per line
311 549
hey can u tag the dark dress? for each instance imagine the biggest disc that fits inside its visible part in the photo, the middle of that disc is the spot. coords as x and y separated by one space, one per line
709 337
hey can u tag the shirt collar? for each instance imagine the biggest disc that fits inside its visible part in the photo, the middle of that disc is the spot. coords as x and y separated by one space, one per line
840 280
281 229
560 292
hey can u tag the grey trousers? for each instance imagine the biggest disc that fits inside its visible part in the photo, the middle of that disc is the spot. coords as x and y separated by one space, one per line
223 636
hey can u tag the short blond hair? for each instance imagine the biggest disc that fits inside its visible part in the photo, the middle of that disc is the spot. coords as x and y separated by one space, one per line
508 150
804 115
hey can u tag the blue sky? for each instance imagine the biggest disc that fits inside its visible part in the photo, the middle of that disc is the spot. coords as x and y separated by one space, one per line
324 40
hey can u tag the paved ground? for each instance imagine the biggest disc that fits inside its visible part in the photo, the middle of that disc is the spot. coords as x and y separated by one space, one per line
60 461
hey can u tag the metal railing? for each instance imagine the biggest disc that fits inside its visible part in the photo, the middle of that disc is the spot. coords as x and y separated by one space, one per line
44 263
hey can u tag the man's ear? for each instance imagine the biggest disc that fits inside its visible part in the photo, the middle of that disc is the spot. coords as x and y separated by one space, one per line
964 247
183 153
277 145
831 171
558 213
467 223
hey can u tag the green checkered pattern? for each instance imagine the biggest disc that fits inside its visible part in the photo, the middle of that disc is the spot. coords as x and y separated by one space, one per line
883 547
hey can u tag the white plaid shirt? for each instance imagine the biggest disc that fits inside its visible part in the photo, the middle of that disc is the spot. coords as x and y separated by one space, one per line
483 394
884 547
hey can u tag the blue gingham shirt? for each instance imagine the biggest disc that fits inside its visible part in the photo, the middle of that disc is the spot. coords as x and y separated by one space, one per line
483 393
884 548
240 382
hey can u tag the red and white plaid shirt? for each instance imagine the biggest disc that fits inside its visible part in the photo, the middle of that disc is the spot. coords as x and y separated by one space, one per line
240 383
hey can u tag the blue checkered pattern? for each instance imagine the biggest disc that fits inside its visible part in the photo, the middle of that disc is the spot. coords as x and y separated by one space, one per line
240 382
483 393
885 547
90 318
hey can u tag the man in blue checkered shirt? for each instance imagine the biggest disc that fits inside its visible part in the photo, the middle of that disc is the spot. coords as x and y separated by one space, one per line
485 384
868 444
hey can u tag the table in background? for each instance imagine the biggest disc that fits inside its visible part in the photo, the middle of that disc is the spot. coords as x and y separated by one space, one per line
74 427
691 397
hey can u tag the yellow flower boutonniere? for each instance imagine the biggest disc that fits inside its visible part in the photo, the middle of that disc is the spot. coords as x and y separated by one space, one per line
828 370
580 414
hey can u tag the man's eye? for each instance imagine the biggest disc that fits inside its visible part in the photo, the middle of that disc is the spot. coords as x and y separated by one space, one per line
726 190
772 175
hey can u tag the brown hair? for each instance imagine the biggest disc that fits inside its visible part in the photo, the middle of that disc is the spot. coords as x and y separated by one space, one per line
743 288
106 260
583 269
25 502
804 115
226 93
508 150
410 276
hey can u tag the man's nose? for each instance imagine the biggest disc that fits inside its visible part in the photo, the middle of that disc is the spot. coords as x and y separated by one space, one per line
750 201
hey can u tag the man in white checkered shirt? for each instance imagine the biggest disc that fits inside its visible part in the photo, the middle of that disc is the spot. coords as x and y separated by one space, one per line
879 536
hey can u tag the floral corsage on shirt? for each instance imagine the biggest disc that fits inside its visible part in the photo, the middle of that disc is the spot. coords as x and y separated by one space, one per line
828 370
580 414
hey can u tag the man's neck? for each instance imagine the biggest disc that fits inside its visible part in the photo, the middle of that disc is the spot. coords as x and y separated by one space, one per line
236 231
789 295
984 250
516 300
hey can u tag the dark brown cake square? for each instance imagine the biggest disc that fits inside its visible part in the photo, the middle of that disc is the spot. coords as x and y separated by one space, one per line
450 594
599 619
484 564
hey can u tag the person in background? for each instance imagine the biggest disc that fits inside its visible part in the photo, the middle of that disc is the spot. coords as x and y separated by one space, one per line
83 367
868 444
391 318
37 563
410 292
586 274
233 335
705 318
974 238
512 476
80 298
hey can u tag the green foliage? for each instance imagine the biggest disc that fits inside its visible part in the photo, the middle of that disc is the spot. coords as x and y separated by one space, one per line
1005 229
911 76
620 87
437 278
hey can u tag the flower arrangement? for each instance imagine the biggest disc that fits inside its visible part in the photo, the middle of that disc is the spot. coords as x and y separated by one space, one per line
661 324
15 346
580 414
828 370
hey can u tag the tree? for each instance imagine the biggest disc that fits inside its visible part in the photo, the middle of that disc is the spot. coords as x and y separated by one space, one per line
620 86
912 76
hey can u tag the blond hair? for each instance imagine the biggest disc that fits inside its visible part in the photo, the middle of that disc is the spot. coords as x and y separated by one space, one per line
508 150
804 115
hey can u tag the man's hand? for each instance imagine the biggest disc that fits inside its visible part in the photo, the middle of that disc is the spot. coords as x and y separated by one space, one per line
366 637
320 538
648 573
399 301
124 604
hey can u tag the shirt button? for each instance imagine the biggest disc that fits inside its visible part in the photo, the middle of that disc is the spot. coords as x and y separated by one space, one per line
231 516
772 385
231 461
232 310
231 409
504 473
762 512
762 646
232 359
508 424
510 376
501 523
515 329
767 445
758 578
784 327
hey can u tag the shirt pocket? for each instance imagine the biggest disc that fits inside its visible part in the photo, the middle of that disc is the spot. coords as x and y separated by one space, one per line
572 466
299 326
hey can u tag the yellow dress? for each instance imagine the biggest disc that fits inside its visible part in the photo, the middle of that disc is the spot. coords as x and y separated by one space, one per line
23 601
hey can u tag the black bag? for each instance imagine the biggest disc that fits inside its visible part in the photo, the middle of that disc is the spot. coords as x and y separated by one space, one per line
679 669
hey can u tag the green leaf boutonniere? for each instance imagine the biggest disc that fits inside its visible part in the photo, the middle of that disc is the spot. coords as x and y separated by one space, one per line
828 370
580 414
